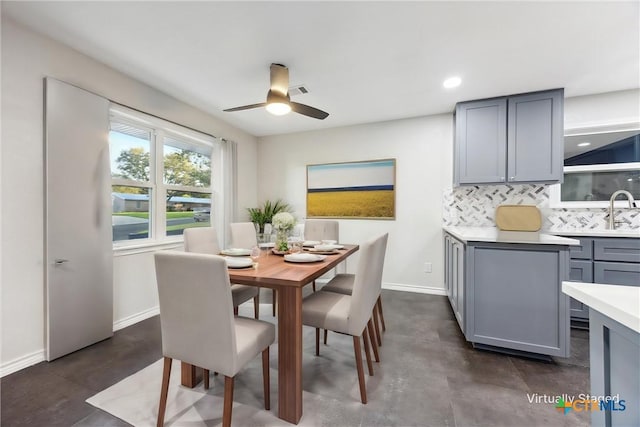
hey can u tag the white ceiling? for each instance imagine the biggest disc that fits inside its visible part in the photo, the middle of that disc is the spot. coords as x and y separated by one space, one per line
362 61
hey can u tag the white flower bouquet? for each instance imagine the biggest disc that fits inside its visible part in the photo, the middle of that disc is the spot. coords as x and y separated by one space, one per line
283 221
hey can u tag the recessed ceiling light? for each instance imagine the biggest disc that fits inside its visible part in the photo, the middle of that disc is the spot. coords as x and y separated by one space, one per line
584 144
452 82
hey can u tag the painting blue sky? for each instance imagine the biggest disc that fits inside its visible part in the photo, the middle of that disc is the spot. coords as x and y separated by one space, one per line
378 174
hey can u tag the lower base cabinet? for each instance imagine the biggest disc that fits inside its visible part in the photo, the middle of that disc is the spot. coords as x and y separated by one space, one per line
606 260
614 352
454 277
508 296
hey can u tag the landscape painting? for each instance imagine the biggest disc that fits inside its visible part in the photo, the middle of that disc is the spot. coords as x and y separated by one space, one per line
363 189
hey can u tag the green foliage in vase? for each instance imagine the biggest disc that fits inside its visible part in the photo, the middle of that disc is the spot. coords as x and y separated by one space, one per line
283 246
263 215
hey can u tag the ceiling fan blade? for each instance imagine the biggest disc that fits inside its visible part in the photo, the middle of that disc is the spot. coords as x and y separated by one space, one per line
246 107
279 79
308 111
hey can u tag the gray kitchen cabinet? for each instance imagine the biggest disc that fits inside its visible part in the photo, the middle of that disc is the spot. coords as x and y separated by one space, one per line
515 299
623 250
606 260
616 273
510 139
454 277
481 141
614 351
507 297
535 137
580 270
584 250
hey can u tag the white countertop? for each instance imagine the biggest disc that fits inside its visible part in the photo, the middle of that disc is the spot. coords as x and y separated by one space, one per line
492 234
597 233
620 303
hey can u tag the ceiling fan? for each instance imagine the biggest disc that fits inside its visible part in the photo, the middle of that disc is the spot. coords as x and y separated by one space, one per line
278 101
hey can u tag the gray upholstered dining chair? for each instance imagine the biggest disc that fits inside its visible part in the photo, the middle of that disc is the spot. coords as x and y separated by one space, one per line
204 240
198 326
321 229
243 235
351 314
343 284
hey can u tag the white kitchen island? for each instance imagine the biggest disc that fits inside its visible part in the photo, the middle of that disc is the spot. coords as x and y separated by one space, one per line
614 349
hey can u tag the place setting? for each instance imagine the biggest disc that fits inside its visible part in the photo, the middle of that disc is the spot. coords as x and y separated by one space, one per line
239 258
324 247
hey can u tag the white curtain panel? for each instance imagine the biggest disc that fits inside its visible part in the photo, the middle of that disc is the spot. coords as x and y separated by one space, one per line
230 186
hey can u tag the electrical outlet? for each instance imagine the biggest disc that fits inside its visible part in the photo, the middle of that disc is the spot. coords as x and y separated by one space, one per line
427 267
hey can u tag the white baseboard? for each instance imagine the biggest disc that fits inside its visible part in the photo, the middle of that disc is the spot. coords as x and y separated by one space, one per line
135 318
413 288
39 356
21 363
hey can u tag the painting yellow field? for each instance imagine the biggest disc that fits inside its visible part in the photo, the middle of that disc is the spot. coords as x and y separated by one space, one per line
360 204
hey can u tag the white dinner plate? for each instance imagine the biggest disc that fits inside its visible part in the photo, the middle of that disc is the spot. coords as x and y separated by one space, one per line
236 252
330 251
302 257
311 242
328 247
235 262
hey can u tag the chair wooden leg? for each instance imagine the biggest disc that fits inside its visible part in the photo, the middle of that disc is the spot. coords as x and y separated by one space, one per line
317 341
206 379
358 352
367 352
256 306
375 325
379 305
372 334
235 311
164 390
265 379
228 401
374 343
313 286
326 332
274 298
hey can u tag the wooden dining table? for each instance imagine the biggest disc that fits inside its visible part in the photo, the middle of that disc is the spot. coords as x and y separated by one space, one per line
288 279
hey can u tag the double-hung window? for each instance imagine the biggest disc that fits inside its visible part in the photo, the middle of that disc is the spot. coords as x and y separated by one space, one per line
162 178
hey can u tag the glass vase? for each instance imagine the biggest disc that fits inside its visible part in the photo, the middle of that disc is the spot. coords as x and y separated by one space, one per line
282 237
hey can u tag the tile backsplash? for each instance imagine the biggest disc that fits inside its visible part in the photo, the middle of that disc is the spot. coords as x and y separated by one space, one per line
476 205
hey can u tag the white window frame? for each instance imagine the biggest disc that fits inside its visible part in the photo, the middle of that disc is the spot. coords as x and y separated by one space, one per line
157 203
555 189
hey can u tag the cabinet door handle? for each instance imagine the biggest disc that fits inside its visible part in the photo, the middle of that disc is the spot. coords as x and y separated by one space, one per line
502 178
59 261
512 178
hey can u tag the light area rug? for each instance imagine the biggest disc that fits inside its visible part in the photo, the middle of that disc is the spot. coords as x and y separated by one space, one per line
135 400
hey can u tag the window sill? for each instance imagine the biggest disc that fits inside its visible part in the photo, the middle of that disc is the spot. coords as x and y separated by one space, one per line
132 249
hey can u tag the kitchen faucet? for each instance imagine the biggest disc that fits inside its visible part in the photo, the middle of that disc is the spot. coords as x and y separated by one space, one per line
612 222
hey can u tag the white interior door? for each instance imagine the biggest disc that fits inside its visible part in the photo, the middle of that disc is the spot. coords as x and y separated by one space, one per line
78 248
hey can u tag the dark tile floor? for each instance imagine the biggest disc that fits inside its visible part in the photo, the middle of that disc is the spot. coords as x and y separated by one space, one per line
429 376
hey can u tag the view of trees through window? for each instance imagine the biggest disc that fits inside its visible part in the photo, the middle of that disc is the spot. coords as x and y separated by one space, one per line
185 185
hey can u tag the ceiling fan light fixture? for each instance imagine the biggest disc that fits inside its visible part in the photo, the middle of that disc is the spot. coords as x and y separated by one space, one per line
278 108
278 100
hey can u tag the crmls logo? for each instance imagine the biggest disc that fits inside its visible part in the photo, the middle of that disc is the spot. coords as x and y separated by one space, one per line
580 405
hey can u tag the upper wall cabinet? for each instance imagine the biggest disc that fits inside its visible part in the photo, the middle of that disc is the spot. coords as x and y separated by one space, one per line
512 139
